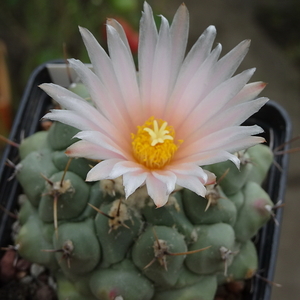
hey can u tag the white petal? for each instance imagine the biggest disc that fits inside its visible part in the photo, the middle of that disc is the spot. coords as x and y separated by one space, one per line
123 167
209 157
228 135
92 83
186 94
54 90
211 177
102 170
157 190
74 103
118 27
91 151
167 177
192 183
198 54
100 60
72 119
195 58
221 139
179 35
188 169
244 143
126 74
102 140
104 69
228 64
249 92
161 73
230 117
100 95
132 181
147 44
212 105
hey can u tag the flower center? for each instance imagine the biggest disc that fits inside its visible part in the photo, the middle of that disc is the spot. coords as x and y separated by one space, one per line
153 144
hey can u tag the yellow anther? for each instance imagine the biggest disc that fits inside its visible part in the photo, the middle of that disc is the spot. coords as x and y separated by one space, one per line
153 144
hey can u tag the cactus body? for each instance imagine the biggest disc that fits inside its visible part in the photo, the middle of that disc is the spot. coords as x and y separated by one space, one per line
210 261
101 246
207 285
164 270
121 281
82 250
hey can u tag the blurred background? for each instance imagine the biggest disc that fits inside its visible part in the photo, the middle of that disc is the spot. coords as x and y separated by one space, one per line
37 31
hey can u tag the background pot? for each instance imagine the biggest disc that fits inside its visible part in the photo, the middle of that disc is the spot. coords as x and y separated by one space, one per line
272 118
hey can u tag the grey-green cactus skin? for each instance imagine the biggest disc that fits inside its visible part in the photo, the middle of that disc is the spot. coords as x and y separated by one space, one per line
100 246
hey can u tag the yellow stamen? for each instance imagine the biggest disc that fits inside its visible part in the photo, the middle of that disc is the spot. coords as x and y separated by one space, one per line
153 144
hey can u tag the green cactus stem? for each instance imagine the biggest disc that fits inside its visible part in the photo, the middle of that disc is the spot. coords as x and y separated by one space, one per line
150 254
122 281
254 213
80 250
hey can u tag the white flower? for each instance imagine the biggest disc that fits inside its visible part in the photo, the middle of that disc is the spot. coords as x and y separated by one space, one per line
159 126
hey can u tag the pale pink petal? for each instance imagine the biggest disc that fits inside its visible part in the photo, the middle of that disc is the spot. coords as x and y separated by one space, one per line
91 151
187 92
219 96
228 64
124 167
118 27
211 177
125 72
217 140
196 56
192 177
133 180
101 62
167 177
235 115
192 183
147 44
232 116
249 92
244 143
188 169
71 118
218 155
104 69
100 96
102 170
104 141
179 34
94 85
55 90
228 136
157 190
72 102
69 100
208 158
161 73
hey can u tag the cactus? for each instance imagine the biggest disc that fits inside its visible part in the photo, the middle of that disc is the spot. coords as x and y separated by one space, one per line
100 246
129 232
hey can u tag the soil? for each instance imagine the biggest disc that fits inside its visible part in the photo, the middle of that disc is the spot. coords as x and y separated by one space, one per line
21 280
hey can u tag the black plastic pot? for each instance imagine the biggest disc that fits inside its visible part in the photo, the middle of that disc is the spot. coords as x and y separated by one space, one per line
272 118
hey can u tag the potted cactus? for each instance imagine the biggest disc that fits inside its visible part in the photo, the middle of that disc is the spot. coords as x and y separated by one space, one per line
146 186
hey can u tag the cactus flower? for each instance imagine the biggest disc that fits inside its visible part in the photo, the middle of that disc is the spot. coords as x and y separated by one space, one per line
157 126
